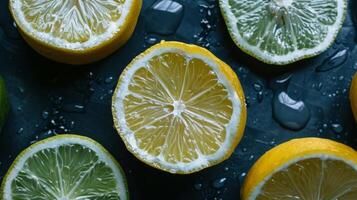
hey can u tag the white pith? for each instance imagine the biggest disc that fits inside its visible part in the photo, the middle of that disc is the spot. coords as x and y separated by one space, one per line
178 107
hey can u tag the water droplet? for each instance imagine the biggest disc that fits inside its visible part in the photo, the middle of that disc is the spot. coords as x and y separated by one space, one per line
335 61
164 17
108 80
337 128
290 113
151 40
226 169
20 131
260 96
218 184
281 83
257 87
198 186
74 108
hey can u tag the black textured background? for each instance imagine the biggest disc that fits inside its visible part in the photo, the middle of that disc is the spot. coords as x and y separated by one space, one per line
47 98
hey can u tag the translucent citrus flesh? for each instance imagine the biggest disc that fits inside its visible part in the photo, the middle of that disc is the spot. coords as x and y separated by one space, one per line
177 108
72 20
280 27
312 179
64 173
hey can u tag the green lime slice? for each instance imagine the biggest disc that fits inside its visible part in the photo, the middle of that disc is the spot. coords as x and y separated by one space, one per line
4 105
65 167
283 31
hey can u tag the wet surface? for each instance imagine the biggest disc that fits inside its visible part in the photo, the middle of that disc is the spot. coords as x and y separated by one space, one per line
49 98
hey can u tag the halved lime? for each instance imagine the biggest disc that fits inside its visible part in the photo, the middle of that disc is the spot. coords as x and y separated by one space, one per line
283 31
4 106
65 167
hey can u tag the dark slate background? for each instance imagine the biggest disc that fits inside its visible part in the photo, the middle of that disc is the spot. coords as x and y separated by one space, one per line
50 98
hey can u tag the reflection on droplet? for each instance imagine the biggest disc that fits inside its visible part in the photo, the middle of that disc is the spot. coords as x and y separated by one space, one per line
164 17
290 113
198 186
337 128
335 61
219 183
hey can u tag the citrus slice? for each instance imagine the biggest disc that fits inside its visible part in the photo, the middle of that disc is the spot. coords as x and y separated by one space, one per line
179 108
64 167
283 31
4 105
353 96
309 168
75 32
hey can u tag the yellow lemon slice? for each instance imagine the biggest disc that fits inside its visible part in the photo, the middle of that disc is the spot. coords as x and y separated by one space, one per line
309 168
179 108
353 96
75 32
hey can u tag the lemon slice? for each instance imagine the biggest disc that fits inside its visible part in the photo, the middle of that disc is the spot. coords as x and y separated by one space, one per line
309 168
75 32
65 167
353 96
179 108
4 105
283 31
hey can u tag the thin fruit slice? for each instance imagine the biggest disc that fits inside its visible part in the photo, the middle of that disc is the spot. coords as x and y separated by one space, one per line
4 105
353 96
308 168
283 31
179 108
65 167
75 32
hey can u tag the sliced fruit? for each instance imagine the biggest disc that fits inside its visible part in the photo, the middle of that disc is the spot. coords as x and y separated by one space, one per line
283 31
75 32
353 96
4 105
179 108
309 168
65 167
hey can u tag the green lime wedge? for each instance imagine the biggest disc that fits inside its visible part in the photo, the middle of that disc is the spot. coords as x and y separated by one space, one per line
283 31
65 167
4 105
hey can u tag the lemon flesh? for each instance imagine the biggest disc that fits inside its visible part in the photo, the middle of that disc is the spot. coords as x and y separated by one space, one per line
65 167
312 179
176 110
283 31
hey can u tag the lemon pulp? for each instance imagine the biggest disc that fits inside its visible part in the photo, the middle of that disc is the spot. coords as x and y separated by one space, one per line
312 179
177 108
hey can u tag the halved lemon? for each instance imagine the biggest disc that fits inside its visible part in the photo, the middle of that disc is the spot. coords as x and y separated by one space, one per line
75 32
283 31
65 167
179 108
353 96
308 168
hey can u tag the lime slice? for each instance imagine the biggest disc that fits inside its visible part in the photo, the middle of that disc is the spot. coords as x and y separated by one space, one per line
4 106
65 167
283 31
